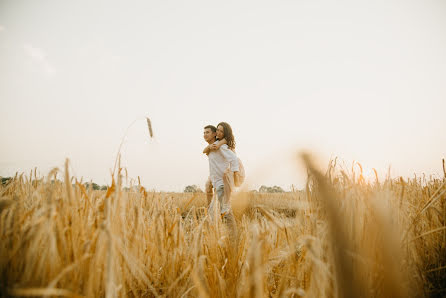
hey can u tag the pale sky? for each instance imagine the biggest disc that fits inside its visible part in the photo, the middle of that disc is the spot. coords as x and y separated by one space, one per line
362 80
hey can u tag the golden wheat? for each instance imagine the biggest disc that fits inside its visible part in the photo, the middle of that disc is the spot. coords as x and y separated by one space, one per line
341 237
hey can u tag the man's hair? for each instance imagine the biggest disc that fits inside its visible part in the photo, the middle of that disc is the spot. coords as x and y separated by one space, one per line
212 127
227 131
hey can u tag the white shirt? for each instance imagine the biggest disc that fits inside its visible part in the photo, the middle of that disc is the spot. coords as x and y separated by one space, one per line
219 160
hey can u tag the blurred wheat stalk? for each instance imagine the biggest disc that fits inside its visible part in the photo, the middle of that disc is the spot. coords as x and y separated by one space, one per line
340 237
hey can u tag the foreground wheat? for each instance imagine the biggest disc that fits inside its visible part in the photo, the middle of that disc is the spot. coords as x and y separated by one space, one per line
341 237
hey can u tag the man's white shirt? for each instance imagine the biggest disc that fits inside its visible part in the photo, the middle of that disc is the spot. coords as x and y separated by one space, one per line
219 160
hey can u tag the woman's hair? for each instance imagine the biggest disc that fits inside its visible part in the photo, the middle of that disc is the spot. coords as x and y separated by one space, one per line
227 131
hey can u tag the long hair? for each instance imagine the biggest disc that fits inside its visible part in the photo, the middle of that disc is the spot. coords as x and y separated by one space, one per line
227 131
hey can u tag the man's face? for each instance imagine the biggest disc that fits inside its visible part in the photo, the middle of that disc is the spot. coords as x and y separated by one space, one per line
208 135
220 132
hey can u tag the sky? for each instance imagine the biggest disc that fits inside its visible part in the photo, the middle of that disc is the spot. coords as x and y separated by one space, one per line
363 81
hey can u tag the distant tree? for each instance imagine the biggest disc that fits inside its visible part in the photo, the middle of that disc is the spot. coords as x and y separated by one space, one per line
277 189
268 189
5 180
192 188
104 187
263 188
93 185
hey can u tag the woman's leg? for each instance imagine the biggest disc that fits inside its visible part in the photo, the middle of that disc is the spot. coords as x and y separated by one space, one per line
228 181
209 190
240 174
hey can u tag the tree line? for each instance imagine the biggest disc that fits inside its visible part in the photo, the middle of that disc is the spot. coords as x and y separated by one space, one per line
188 189
262 189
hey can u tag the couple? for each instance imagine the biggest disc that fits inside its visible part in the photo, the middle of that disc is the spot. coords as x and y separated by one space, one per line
225 169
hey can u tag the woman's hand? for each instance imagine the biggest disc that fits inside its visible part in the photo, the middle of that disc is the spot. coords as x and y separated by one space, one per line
207 150
213 147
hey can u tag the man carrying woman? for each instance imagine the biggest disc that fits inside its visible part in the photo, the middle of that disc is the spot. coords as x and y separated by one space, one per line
225 168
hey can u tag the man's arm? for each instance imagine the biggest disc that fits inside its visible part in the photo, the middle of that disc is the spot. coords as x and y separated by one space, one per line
230 156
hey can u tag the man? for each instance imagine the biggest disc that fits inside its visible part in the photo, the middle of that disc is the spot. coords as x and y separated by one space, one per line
219 161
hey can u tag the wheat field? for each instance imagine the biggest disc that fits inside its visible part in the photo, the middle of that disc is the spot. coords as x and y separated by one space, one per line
342 236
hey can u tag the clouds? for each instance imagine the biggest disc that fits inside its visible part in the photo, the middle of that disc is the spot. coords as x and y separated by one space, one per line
40 57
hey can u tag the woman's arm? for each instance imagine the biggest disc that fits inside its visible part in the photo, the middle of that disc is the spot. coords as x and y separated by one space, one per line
218 145
214 146
207 149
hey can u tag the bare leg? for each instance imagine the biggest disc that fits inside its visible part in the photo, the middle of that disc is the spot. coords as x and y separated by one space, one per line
209 191
228 182
240 174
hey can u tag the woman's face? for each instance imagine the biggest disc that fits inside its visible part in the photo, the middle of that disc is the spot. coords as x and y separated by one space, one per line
220 132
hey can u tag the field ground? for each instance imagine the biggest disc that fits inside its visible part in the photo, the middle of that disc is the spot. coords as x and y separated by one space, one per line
340 237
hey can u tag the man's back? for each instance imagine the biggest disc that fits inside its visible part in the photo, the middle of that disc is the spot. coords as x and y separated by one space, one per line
219 161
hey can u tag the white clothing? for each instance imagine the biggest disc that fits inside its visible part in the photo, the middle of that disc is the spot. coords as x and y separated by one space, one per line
219 160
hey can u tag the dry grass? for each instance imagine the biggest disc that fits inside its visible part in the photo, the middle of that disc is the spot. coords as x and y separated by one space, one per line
341 237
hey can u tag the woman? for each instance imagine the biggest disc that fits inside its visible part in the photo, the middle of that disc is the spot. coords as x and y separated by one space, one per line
230 179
